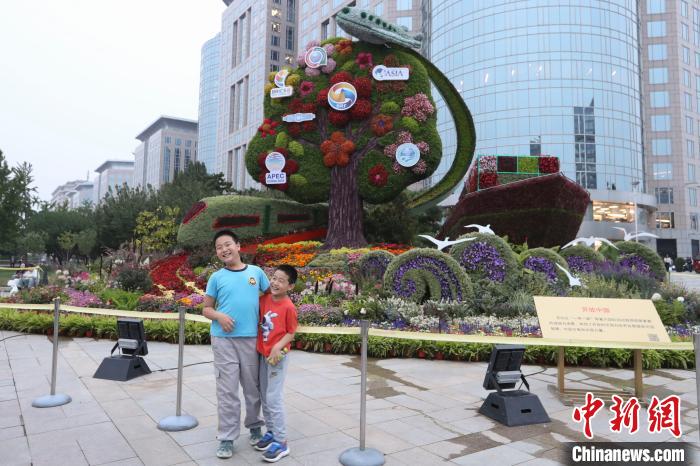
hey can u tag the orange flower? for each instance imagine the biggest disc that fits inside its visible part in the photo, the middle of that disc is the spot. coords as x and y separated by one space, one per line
337 150
344 47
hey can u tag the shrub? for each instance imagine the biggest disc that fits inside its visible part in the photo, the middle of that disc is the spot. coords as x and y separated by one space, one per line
120 299
636 255
671 313
528 164
420 274
581 258
373 264
134 279
488 256
544 261
602 287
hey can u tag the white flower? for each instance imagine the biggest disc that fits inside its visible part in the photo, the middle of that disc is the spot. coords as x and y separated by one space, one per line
680 299
656 297
362 311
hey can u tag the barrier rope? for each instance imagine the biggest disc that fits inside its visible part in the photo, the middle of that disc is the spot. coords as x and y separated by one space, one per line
375 332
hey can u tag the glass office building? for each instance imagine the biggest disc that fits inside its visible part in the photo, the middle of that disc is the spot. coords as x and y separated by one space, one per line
209 102
547 79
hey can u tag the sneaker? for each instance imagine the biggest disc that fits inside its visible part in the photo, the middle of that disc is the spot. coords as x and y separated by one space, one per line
225 449
276 452
265 441
255 435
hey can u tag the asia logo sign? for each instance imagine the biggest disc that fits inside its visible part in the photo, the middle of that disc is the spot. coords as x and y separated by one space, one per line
342 96
275 163
316 57
282 90
383 73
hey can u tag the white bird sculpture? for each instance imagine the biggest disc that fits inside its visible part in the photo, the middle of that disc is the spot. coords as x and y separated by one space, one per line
633 236
573 281
481 228
590 242
443 244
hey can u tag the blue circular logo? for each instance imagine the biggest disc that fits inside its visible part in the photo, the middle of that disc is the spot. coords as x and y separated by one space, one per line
407 154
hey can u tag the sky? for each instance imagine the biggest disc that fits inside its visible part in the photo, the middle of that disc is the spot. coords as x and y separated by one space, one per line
80 79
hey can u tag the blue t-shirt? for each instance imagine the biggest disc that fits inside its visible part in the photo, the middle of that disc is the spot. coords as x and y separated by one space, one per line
236 293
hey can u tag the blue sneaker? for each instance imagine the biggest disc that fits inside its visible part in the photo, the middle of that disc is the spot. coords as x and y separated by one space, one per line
255 435
276 452
225 449
265 441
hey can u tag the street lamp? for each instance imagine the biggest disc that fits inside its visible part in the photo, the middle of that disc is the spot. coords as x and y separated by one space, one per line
635 185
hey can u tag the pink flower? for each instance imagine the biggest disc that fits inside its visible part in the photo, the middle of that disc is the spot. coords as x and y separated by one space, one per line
330 67
312 43
420 167
301 60
312 71
418 107
306 88
364 60
329 48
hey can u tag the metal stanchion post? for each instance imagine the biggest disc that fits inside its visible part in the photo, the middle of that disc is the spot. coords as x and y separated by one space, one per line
362 456
696 345
54 399
179 422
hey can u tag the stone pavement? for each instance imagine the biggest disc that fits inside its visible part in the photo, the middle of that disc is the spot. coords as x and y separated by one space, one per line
690 280
419 412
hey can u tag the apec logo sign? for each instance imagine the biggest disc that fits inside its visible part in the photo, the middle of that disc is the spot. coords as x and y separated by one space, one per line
282 90
382 73
275 162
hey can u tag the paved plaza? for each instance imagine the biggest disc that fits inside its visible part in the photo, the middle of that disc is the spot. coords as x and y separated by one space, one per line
419 412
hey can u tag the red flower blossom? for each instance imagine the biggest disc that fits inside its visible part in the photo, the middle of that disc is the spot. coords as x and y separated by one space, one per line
361 110
338 119
295 106
363 86
322 98
549 164
342 76
344 47
337 150
382 124
268 127
378 175
306 88
294 129
261 159
487 180
364 60
308 126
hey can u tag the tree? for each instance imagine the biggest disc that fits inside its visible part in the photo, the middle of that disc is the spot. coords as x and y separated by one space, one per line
16 200
190 186
347 157
117 213
52 222
86 241
67 242
31 242
393 222
157 231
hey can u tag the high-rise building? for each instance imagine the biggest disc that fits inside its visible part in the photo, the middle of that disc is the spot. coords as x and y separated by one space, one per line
209 102
544 78
73 194
168 146
257 37
670 55
112 174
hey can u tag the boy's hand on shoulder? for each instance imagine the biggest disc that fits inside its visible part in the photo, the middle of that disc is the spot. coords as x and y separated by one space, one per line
226 322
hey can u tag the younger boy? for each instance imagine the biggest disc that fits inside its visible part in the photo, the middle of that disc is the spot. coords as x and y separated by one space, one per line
278 322
235 290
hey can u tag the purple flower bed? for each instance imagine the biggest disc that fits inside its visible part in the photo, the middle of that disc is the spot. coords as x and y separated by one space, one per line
375 266
82 298
482 256
579 264
542 265
636 263
432 268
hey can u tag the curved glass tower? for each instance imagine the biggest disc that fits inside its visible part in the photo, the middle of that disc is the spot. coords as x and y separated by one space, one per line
548 79
209 102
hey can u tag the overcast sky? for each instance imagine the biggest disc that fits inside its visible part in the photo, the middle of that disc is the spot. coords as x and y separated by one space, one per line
80 79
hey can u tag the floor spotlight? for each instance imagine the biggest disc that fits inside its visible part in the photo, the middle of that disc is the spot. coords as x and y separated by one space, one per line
131 342
510 406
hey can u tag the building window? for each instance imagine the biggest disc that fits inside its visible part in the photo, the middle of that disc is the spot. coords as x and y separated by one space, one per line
402 5
178 142
691 172
288 59
657 52
177 160
686 78
188 143
656 28
689 123
688 101
664 195
684 9
665 220
662 171
690 148
686 55
658 75
188 158
275 40
324 29
584 146
275 13
274 67
405 21
656 6
291 11
685 32
166 165
661 122
274 55
658 99
379 9
694 222
290 38
231 110
167 139
661 146
276 27
693 197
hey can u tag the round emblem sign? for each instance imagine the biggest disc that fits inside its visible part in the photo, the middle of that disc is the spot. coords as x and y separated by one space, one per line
275 162
281 77
316 57
407 155
342 96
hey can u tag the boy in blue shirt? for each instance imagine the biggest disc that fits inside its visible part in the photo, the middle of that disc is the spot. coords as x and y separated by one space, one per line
231 302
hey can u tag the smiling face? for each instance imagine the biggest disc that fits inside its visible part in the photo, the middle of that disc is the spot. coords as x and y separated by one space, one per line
279 284
228 250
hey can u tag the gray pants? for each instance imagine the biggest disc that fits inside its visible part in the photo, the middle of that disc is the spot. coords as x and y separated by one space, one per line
271 386
236 361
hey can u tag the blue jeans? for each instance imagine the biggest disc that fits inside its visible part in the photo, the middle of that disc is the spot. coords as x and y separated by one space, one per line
271 387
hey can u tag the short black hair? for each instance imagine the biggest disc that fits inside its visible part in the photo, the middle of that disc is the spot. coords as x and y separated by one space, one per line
289 271
221 233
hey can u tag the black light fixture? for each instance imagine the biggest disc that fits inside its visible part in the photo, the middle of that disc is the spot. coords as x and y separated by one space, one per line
510 406
131 342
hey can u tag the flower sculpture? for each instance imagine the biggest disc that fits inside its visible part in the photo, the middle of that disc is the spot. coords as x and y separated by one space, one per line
267 128
543 260
337 150
641 258
378 175
418 107
403 138
382 124
373 264
364 60
421 274
489 256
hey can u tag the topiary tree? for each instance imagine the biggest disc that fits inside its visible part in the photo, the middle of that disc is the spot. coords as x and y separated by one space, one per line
488 256
421 274
347 153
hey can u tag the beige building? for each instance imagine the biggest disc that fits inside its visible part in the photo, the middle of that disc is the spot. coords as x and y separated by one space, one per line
168 146
257 37
111 175
73 194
